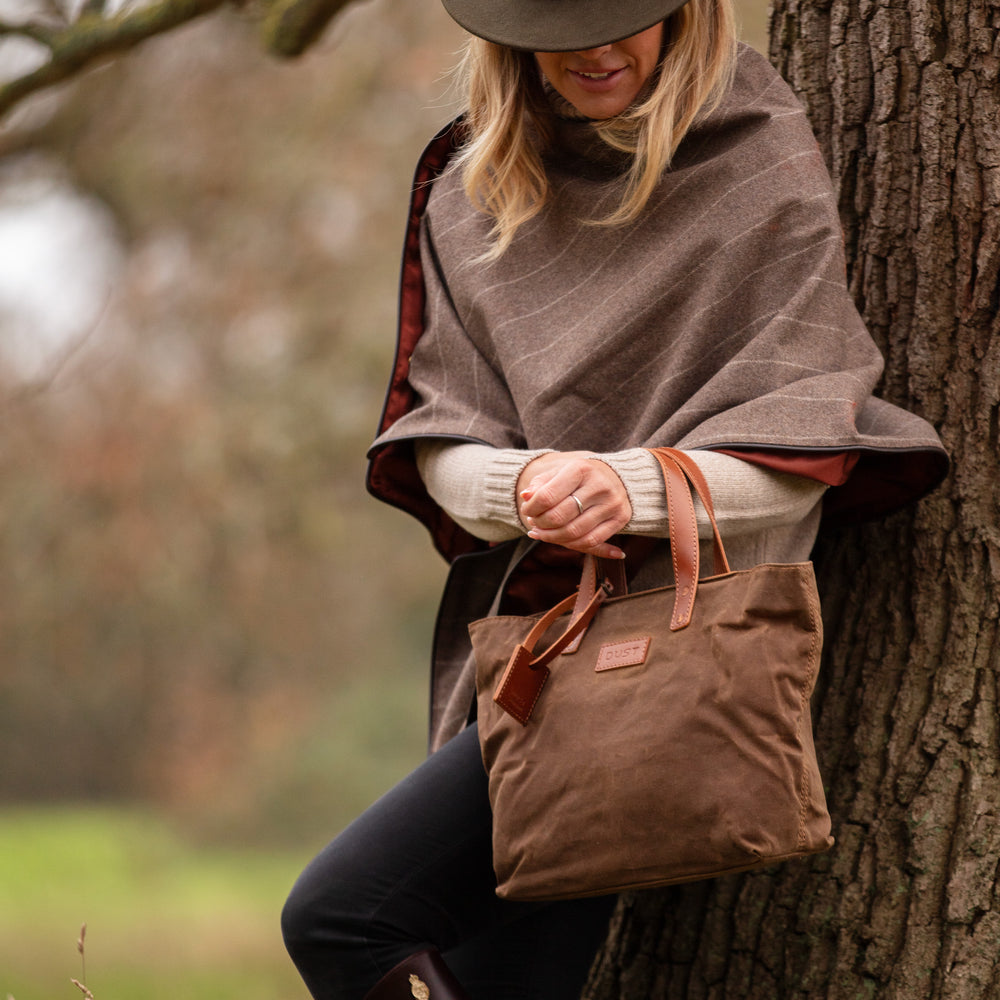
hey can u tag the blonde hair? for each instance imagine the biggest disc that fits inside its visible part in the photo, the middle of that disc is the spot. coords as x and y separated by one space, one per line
501 163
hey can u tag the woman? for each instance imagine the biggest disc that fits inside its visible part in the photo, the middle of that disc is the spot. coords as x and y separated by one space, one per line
628 241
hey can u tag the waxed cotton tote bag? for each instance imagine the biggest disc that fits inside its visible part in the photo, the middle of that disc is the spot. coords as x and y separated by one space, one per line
638 740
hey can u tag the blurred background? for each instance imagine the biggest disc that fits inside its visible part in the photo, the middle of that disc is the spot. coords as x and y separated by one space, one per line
213 643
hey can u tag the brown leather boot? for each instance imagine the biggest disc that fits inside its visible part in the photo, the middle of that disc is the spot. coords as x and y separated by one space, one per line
422 976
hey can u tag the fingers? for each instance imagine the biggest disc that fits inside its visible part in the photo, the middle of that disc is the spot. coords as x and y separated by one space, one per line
586 532
575 502
560 492
593 543
548 480
549 484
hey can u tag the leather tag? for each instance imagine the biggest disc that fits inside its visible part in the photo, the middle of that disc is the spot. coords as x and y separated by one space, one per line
622 654
520 686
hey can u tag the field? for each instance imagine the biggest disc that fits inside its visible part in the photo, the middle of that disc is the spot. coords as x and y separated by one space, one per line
165 919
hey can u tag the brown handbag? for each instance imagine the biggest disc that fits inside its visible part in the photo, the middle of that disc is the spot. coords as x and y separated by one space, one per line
663 736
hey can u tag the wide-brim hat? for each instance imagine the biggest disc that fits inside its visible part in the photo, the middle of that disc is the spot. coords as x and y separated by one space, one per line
558 25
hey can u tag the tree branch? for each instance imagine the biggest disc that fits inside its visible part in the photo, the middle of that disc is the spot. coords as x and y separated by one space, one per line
291 26
30 29
92 38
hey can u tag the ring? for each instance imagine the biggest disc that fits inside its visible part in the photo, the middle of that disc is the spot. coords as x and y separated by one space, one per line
576 500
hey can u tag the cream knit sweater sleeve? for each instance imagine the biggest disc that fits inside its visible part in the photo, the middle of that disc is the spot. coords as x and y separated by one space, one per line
476 485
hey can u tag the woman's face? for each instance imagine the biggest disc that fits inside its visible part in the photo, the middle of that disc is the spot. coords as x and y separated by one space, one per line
602 82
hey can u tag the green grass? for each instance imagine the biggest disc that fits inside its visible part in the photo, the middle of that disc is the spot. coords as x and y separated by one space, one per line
164 919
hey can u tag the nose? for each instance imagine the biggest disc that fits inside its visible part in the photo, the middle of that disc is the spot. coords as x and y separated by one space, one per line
594 53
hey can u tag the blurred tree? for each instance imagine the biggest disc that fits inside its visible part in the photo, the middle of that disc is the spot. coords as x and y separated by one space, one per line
193 582
68 43
904 100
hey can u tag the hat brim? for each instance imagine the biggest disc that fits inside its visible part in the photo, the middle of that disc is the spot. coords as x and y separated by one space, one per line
558 25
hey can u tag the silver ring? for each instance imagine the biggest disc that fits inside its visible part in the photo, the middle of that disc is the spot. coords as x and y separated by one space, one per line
576 500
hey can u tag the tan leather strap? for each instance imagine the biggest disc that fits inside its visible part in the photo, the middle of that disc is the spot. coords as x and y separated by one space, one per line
612 573
576 627
684 548
697 479
680 475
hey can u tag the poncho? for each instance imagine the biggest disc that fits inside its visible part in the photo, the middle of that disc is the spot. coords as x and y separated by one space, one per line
719 319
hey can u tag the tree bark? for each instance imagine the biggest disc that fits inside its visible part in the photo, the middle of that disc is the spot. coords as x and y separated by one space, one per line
903 96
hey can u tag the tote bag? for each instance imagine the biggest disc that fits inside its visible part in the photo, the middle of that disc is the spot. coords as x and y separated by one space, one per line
659 737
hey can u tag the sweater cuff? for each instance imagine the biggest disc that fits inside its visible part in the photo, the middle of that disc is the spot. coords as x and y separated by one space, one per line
500 474
475 483
642 477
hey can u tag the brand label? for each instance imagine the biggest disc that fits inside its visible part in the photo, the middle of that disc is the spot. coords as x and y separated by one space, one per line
630 653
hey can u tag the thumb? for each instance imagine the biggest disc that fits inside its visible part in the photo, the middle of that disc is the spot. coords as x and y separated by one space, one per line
529 491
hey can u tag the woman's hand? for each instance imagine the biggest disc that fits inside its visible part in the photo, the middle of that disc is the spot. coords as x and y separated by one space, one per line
571 499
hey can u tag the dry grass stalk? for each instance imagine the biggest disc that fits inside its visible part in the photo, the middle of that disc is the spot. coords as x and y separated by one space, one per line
83 962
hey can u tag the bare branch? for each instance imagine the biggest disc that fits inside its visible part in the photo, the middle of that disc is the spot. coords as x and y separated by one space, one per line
94 38
30 29
291 26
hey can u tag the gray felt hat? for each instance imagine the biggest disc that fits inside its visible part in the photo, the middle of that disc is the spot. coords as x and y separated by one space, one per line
558 25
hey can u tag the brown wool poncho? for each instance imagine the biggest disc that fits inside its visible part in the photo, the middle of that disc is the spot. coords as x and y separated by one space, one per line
720 319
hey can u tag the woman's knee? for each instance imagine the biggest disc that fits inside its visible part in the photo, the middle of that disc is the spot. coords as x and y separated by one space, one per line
297 919
322 909
302 922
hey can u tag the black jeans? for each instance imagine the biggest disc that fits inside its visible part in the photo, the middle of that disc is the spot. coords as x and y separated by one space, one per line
415 871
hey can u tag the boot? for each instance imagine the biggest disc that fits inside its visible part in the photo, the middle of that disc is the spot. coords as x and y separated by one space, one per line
422 976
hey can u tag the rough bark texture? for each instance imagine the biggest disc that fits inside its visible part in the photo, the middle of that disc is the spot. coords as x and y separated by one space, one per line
904 98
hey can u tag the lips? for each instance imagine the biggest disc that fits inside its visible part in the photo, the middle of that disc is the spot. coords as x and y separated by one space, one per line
596 80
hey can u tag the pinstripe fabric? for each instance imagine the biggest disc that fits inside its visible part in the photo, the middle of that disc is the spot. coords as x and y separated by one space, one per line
719 318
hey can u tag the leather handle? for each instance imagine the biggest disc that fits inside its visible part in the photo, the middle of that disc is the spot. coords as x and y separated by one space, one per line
524 676
614 583
681 475
679 471
697 479
684 548
574 631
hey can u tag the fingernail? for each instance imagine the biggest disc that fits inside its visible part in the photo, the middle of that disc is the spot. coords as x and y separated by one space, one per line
525 494
617 554
533 534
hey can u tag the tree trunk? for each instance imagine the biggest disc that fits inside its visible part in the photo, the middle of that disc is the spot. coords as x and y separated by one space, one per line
903 96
